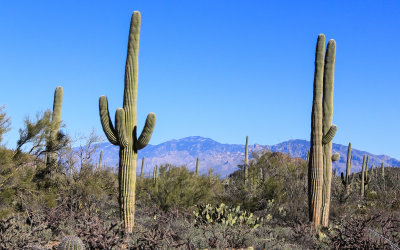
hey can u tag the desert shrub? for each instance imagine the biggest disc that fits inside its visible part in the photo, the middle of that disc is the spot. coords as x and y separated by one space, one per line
177 187
367 232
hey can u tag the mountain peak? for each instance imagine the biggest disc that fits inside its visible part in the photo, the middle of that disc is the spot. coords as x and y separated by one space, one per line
224 158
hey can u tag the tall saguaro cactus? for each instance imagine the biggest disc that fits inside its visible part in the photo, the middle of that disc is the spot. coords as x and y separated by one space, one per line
125 132
51 155
322 133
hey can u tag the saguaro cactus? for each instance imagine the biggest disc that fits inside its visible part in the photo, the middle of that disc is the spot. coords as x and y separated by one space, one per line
100 160
362 185
322 133
142 169
383 170
125 132
246 161
197 166
346 181
51 142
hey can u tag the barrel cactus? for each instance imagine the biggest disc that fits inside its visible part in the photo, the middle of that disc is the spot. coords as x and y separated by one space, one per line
124 134
71 243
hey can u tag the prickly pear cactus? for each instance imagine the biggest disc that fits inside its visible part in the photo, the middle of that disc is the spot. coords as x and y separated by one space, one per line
223 214
71 243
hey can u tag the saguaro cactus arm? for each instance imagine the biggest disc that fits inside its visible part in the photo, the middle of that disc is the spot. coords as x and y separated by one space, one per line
328 137
147 131
106 123
120 128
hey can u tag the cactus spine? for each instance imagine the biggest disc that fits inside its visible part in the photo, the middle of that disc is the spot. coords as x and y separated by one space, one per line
142 169
125 132
197 166
51 156
246 161
322 133
346 181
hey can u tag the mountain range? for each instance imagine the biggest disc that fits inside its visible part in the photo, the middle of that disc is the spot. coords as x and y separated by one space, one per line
224 158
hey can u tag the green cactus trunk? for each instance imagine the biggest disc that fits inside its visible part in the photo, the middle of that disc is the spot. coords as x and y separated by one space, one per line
362 185
51 154
366 177
100 160
246 161
366 167
322 133
197 167
347 180
125 133
383 170
142 169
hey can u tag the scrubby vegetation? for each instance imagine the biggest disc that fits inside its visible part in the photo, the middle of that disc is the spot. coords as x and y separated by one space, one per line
179 209
54 195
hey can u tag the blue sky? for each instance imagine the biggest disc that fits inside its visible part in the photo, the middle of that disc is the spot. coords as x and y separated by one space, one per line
218 69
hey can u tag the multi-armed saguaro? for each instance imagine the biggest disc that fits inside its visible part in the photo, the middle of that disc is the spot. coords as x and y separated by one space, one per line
51 160
322 133
125 132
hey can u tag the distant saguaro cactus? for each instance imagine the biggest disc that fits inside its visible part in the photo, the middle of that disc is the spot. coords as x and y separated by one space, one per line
51 142
346 181
322 133
197 166
383 170
125 132
246 161
142 169
362 184
100 160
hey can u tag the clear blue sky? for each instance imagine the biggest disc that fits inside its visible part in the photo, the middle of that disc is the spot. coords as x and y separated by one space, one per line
218 69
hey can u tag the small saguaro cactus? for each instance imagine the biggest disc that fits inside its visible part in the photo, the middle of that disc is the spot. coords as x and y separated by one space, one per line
125 132
197 166
142 169
383 170
100 160
155 175
362 184
346 181
246 161
51 142
322 133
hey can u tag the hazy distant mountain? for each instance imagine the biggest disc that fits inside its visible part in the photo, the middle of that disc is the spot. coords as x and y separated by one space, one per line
224 158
